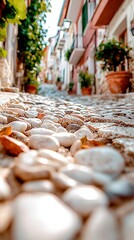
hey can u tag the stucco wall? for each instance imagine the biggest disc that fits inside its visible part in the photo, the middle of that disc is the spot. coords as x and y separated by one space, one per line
120 21
118 24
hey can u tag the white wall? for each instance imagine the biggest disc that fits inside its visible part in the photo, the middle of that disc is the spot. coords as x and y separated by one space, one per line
123 19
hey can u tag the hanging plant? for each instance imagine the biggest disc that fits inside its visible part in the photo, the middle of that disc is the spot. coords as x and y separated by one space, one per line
32 34
11 11
3 53
68 53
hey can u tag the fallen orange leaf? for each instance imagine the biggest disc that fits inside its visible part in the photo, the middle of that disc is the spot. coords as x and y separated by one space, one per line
12 146
41 115
6 131
89 143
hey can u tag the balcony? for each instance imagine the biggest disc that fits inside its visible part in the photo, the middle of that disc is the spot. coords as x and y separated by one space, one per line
61 40
105 11
77 50
74 9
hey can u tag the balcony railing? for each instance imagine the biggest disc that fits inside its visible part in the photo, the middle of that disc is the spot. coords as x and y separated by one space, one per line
61 40
77 49
77 41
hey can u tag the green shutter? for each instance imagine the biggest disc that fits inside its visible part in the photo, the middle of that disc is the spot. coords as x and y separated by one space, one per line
84 16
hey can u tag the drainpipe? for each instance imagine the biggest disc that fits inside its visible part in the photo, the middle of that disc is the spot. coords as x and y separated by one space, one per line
95 44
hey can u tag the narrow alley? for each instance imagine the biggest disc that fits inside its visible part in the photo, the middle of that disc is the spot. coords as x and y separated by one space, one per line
66 166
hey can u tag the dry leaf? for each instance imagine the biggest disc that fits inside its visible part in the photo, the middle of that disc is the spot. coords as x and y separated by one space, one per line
41 115
89 143
12 146
6 131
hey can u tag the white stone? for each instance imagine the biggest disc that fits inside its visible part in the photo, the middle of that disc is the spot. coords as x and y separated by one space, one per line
62 181
50 126
21 112
46 162
79 173
43 217
84 132
18 105
101 225
18 126
52 118
77 145
65 139
5 216
85 199
38 186
35 122
33 172
38 141
41 131
19 136
31 113
28 158
61 129
3 119
103 159
52 155
5 191
57 125
127 226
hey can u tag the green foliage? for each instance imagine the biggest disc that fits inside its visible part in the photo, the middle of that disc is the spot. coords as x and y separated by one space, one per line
58 79
70 86
11 11
31 79
85 79
32 34
111 54
2 32
3 53
68 53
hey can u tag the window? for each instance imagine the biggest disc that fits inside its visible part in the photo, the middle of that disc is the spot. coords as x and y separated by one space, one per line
84 16
123 38
92 6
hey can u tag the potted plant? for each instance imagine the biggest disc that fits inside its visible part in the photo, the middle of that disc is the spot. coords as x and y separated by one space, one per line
113 54
70 88
86 81
59 83
31 83
68 53
31 36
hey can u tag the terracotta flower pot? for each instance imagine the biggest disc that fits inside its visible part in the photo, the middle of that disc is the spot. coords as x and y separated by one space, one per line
59 85
118 81
71 92
86 91
30 89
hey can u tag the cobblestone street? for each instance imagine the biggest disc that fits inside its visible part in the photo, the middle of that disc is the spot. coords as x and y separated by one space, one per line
66 166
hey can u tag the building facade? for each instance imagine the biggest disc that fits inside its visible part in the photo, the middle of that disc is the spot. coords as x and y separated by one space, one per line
93 21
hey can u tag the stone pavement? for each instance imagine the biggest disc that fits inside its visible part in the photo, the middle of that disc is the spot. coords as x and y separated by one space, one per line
66 167
6 97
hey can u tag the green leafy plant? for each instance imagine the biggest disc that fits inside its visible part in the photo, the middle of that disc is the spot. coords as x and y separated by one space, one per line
111 54
70 86
68 53
32 36
58 79
11 11
31 79
85 79
3 53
